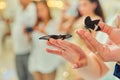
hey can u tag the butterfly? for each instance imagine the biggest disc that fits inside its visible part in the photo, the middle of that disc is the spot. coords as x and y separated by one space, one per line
89 24
56 37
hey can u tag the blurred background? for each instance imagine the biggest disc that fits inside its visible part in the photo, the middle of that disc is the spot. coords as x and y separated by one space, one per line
8 10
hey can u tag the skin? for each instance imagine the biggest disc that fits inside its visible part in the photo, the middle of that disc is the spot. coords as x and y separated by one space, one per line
86 7
117 22
77 58
84 63
106 52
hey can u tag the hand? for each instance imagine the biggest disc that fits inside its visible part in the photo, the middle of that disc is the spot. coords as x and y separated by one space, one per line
69 51
112 32
107 53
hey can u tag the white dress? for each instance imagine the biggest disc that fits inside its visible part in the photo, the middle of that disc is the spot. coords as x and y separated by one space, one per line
40 60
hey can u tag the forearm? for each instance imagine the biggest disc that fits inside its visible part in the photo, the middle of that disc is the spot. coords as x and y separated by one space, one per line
94 70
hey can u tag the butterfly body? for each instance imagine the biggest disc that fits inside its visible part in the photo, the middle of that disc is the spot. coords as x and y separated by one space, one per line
89 24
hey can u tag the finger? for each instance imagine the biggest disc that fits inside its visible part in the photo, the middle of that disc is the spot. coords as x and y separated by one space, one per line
81 33
60 53
54 44
48 43
62 45
57 52
89 46
69 52
105 28
70 47
80 63
98 46
67 49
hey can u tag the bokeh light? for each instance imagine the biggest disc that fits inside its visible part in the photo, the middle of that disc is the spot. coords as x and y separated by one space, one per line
55 4
2 5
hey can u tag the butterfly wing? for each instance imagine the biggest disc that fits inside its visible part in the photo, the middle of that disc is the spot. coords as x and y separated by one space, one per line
56 37
89 24
49 36
68 36
45 37
87 20
95 22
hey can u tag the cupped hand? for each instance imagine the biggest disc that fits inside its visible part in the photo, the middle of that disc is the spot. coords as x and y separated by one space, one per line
69 51
92 43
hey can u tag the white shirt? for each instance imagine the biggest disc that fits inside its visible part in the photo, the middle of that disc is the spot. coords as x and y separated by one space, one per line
24 18
40 60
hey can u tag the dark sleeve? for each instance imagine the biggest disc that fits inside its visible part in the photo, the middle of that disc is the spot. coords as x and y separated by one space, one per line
117 71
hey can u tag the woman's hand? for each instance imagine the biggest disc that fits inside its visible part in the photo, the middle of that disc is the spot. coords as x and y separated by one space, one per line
113 33
106 52
88 66
69 51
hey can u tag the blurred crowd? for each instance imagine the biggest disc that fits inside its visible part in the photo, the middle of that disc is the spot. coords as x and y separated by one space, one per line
32 19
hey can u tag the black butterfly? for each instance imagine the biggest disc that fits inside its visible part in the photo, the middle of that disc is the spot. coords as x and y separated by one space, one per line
89 24
56 37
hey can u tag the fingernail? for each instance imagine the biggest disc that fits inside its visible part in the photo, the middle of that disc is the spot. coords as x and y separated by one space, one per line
75 66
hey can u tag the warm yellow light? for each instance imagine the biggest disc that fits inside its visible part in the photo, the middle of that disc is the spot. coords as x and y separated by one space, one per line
2 5
57 4
50 3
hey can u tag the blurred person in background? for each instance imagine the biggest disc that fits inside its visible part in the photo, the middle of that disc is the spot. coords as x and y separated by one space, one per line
68 14
42 65
86 8
3 31
25 17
